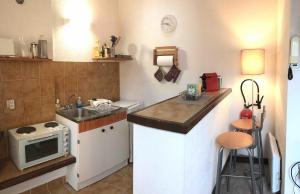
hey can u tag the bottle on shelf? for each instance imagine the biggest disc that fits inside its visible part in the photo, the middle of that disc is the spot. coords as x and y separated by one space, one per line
96 50
22 47
42 48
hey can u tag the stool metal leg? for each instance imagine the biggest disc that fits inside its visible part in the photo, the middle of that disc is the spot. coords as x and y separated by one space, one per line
250 153
262 153
219 170
258 147
234 159
230 169
261 160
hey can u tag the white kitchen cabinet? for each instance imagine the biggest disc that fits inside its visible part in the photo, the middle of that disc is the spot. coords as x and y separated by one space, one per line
99 151
91 154
118 143
103 148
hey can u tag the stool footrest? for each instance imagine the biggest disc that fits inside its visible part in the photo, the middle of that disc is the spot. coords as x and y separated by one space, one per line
235 176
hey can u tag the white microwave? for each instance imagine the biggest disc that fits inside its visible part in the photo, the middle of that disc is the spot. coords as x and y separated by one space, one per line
38 144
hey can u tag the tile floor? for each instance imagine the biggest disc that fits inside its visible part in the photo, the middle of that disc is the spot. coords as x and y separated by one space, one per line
117 183
242 186
121 183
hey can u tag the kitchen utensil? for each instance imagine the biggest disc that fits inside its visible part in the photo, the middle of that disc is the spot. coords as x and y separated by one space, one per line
34 50
42 48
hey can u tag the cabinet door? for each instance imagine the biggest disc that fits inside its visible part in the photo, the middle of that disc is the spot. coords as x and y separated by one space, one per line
117 143
91 153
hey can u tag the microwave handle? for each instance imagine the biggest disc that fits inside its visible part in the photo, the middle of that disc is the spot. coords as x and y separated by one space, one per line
42 138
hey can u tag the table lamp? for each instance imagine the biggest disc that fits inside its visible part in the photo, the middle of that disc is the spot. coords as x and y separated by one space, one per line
253 63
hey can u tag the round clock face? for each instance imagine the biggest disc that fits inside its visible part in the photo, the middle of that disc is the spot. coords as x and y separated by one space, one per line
20 1
168 23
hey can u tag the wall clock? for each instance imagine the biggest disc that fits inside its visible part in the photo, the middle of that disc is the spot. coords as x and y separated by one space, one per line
168 23
20 1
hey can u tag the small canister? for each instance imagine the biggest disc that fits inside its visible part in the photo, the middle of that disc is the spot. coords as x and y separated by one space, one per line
42 48
34 50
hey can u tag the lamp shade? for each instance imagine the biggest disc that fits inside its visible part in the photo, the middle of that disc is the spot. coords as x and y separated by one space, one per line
253 61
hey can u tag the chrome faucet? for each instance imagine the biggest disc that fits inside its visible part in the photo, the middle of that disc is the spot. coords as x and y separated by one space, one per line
70 105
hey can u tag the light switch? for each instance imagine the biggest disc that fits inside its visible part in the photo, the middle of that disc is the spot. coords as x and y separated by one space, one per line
10 104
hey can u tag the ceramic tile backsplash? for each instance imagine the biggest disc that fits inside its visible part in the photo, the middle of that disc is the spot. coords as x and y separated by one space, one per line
35 86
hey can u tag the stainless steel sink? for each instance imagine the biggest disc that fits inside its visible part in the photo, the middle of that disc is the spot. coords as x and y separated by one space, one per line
85 113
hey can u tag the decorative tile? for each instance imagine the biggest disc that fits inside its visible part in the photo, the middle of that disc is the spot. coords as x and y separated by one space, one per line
30 70
51 70
83 69
70 69
48 87
60 89
12 121
31 89
32 111
3 144
11 71
48 108
71 84
12 89
35 86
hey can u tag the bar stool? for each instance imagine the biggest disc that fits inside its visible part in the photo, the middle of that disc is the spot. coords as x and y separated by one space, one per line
234 141
248 126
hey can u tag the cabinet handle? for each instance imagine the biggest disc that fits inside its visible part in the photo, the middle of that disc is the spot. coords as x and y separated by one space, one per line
111 127
103 130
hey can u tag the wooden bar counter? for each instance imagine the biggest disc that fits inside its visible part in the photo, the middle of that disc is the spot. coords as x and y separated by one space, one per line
176 114
174 144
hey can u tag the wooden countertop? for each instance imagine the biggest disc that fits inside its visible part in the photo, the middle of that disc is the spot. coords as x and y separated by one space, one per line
10 175
176 114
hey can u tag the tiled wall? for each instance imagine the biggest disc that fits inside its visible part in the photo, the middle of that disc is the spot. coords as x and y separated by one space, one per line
35 85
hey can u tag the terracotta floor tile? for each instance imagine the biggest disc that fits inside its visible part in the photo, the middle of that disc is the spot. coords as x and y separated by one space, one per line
117 183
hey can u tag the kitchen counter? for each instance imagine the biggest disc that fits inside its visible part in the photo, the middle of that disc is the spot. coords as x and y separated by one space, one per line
174 144
79 115
176 114
10 175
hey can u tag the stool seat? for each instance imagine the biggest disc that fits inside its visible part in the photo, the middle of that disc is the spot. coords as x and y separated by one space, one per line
243 124
235 140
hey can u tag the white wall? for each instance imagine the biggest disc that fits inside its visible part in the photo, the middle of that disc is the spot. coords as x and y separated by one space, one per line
74 25
292 142
29 20
77 25
210 35
281 81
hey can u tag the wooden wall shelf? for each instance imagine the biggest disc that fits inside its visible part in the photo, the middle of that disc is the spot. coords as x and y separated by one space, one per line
24 59
118 58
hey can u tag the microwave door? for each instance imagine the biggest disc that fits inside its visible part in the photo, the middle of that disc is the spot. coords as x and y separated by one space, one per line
42 149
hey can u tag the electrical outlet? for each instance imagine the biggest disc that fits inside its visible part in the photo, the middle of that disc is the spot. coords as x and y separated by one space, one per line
10 104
